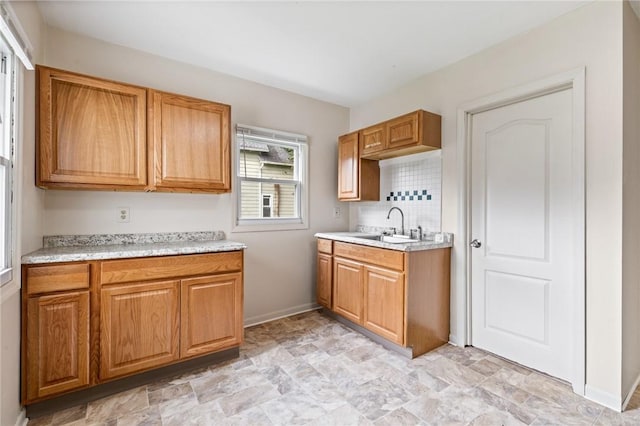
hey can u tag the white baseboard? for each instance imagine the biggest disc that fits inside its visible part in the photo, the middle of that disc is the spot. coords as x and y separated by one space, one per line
630 394
22 418
603 398
271 316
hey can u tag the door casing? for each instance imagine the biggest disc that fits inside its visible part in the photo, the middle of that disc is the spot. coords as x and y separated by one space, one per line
575 80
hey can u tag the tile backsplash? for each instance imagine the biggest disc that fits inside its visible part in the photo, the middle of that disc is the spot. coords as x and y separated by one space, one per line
413 184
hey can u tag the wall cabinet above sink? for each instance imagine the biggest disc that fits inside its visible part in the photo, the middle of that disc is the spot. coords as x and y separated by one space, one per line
359 151
418 131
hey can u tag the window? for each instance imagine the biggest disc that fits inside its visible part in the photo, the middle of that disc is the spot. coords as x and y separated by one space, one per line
6 157
14 49
271 179
266 205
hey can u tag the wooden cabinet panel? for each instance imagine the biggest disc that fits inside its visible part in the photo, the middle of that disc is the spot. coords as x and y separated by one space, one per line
325 246
348 289
414 132
373 139
381 257
418 131
91 132
358 179
154 268
403 297
403 130
384 303
348 167
57 347
43 279
192 144
138 327
210 314
323 280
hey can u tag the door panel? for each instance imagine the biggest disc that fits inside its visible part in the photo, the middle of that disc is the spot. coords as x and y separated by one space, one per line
139 327
522 276
384 303
210 314
323 280
57 343
192 143
348 167
509 206
517 305
348 289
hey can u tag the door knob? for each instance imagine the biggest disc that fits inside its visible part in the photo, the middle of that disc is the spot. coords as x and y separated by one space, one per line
475 244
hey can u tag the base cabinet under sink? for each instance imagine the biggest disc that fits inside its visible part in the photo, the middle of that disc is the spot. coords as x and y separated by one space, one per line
400 296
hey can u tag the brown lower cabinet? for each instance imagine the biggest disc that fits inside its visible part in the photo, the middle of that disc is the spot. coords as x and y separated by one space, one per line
86 323
58 343
139 327
400 296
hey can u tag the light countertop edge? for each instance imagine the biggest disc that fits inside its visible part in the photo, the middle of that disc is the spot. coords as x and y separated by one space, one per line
352 237
121 251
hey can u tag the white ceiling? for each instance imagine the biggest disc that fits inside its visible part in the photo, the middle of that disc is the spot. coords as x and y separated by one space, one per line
341 52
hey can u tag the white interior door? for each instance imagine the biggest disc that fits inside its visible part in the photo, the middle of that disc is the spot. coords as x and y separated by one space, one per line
521 216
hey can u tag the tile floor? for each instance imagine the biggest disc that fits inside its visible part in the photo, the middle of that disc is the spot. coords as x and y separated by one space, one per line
309 369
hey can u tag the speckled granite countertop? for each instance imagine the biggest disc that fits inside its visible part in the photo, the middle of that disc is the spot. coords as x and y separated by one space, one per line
352 237
70 248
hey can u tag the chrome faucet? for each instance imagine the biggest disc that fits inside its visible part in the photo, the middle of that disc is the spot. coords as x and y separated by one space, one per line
401 214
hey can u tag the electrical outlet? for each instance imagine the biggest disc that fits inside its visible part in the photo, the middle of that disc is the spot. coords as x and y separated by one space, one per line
336 212
123 215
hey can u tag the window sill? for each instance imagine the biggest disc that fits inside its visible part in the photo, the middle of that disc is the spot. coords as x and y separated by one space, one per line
266 226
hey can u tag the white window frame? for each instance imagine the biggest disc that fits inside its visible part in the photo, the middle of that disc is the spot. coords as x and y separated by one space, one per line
15 36
7 160
302 198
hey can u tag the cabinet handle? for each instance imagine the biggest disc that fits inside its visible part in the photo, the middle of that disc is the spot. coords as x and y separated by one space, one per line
373 144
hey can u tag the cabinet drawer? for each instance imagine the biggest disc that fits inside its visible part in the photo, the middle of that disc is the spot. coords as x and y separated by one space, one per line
325 246
143 269
47 279
372 255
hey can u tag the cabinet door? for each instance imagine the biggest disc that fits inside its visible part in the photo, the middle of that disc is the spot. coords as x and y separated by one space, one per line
57 347
373 139
403 131
323 280
358 179
384 303
348 289
91 132
138 327
348 167
192 144
210 314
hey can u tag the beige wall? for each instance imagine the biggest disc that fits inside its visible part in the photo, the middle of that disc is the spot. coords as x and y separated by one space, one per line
279 265
30 202
589 37
631 206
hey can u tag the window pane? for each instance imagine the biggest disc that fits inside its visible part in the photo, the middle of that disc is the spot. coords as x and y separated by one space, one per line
266 160
260 200
4 181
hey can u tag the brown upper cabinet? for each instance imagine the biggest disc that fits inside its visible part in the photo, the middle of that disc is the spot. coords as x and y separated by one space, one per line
358 179
373 140
91 133
192 143
411 133
99 134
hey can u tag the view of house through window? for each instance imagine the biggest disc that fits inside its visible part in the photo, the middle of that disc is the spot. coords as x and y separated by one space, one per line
269 169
